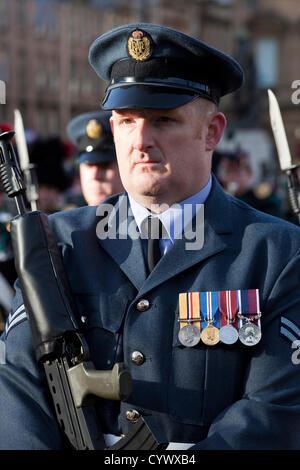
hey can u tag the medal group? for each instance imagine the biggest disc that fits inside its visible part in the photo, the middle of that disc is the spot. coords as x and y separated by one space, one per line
223 316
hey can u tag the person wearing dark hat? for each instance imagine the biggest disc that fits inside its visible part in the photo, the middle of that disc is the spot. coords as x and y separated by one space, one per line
206 317
99 174
236 176
48 154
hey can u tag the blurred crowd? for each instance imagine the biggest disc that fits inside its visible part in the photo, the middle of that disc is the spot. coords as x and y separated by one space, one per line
83 170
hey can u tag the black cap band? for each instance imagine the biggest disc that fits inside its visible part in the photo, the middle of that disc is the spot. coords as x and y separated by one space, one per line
133 92
143 96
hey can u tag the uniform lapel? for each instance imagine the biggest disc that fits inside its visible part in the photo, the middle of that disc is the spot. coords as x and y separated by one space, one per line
126 251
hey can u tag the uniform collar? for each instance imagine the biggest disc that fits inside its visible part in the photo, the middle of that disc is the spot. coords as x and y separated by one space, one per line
174 219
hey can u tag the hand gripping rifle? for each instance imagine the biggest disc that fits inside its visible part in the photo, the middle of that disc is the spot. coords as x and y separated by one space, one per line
59 345
284 155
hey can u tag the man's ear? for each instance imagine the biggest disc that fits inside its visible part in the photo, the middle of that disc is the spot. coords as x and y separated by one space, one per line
216 127
111 120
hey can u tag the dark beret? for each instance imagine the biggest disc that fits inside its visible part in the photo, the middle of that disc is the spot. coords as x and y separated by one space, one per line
151 66
91 134
48 155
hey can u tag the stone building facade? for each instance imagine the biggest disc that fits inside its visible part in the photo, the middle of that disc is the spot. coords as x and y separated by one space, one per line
44 46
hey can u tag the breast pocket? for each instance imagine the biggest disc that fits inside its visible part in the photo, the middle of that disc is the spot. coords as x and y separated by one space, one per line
101 318
204 380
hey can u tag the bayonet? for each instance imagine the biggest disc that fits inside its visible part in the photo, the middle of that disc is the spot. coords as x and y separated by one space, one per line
283 151
27 168
284 155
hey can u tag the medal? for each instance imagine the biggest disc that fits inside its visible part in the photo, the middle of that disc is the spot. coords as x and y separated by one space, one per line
210 335
249 334
189 318
209 309
228 334
189 335
249 312
228 306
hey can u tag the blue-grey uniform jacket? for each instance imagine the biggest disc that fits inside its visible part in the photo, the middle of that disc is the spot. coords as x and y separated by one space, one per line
218 397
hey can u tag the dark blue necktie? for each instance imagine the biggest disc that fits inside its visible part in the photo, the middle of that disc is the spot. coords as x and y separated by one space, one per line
155 233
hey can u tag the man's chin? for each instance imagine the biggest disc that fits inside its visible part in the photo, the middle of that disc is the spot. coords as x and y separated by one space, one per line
97 199
150 186
152 190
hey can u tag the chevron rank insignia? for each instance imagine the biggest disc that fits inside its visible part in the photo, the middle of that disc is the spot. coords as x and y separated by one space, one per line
14 318
290 331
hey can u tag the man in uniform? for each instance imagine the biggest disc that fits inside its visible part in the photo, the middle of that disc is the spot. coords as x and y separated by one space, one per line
98 169
204 388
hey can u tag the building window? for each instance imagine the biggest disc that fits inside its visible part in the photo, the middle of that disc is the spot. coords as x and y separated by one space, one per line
22 71
21 14
41 79
53 122
4 15
46 19
224 2
53 75
266 62
74 83
4 65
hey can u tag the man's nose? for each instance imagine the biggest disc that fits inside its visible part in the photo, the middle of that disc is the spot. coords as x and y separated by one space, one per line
143 136
98 172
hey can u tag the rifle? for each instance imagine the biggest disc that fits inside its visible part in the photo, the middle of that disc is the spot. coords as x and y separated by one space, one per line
59 344
284 155
27 168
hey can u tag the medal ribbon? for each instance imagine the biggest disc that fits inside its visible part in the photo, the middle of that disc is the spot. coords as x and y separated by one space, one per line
228 306
249 304
209 308
189 309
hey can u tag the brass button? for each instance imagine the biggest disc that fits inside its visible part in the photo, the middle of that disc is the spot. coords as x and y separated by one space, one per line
143 305
132 416
137 358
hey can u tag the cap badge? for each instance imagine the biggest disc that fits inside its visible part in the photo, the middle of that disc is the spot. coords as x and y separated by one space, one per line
139 46
93 129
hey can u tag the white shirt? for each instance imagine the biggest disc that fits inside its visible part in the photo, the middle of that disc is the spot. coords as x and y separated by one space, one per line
174 219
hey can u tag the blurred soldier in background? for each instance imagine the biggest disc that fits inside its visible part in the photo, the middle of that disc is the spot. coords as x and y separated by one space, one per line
99 173
236 176
48 154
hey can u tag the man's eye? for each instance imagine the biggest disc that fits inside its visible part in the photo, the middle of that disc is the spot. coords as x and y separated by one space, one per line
165 119
126 121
